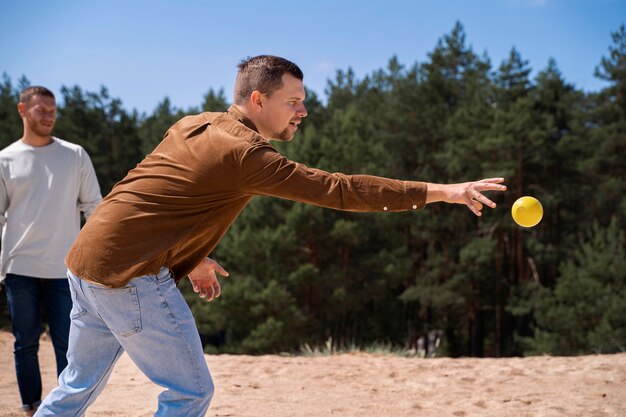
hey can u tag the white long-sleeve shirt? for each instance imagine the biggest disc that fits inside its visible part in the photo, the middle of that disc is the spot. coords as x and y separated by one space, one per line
42 192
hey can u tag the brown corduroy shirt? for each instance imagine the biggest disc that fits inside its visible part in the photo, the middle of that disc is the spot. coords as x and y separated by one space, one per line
175 206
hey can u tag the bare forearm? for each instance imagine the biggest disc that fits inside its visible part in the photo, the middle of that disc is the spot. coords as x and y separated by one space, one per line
435 193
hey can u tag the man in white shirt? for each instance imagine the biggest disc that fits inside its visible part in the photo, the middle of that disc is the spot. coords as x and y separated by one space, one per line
45 182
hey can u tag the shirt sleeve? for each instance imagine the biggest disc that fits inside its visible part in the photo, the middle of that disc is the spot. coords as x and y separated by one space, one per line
264 171
89 195
4 201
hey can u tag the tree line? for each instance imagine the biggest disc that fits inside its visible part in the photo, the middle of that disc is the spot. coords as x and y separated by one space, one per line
304 275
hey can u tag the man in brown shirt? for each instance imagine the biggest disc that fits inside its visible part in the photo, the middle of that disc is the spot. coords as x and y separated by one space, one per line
160 223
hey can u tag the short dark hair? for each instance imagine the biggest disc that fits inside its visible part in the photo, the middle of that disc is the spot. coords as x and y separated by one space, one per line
262 73
35 90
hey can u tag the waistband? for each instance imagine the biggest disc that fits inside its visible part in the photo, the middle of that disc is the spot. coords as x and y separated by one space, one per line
165 271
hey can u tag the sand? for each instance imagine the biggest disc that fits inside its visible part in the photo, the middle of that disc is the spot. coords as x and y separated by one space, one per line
366 385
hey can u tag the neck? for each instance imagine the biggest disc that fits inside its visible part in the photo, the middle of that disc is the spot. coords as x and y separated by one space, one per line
243 110
33 139
252 123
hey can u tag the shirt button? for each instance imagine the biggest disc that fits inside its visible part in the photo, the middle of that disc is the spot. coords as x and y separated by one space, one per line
414 206
385 208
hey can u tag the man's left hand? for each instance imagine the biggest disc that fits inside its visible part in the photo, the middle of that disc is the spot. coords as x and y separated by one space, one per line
204 280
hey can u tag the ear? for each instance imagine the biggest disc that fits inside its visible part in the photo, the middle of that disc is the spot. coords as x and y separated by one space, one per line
21 108
256 101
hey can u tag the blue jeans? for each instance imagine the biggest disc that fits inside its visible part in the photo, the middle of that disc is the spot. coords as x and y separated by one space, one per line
150 320
25 296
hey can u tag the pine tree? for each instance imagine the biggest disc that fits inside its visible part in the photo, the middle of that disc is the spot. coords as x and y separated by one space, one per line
608 136
10 121
585 312
106 131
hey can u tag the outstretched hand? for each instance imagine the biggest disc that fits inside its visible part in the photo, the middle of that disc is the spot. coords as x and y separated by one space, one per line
204 280
468 193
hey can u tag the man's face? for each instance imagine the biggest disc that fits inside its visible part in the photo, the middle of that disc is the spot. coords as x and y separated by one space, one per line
283 111
39 114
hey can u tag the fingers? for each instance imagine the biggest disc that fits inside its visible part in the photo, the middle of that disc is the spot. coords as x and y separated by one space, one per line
475 206
205 291
493 180
486 185
207 288
210 291
483 199
477 199
221 270
204 279
217 267
217 289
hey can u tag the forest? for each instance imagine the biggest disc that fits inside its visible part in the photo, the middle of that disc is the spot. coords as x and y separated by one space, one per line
301 275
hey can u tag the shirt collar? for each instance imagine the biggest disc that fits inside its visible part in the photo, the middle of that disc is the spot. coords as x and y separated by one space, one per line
234 111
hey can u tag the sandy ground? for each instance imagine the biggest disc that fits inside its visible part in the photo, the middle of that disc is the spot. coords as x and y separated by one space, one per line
367 385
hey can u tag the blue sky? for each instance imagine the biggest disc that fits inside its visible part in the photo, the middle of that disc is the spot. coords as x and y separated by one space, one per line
143 51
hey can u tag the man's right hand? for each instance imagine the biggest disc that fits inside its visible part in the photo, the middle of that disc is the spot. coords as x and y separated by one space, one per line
468 193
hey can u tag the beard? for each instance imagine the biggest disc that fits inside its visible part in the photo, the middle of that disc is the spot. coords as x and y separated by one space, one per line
39 129
285 135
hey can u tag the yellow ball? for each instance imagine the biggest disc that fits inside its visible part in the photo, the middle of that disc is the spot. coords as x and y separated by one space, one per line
527 211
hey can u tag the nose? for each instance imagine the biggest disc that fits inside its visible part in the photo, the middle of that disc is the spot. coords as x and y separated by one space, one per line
302 111
49 115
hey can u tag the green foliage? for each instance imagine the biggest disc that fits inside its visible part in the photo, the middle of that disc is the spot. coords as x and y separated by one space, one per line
108 133
215 101
271 320
10 122
608 140
377 348
154 126
585 312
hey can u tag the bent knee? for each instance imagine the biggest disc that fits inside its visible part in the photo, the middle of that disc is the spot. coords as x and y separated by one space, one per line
207 391
201 398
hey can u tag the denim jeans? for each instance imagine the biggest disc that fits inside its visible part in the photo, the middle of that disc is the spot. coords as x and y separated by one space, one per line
25 296
150 320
